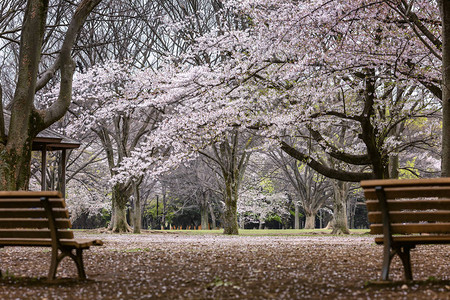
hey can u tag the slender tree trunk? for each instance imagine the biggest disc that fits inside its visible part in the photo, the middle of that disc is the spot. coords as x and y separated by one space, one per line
296 215
213 217
393 166
340 225
444 7
261 223
137 219
164 206
204 211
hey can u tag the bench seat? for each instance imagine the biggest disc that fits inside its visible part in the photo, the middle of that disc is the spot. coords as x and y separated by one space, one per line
71 243
416 239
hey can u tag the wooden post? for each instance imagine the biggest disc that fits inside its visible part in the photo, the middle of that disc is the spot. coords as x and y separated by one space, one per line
62 180
44 168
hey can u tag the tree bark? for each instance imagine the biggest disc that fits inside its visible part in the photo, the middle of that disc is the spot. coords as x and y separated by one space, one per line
310 222
296 215
444 7
137 219
230 225
339 223
393 166
204 211
213 216
120 198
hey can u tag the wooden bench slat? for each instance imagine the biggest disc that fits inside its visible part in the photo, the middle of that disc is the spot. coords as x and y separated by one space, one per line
73 243
412 228
25 242
411 216
32 213
32 223
29 203
81 243
419 204
37 233
417 239
30 194
441 181
410 192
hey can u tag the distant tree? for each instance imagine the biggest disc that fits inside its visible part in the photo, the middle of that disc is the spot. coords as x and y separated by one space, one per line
311 189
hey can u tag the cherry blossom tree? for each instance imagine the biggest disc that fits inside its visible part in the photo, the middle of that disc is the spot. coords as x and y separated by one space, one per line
106 101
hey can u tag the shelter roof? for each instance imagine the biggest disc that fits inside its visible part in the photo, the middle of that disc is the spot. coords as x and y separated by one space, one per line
48 138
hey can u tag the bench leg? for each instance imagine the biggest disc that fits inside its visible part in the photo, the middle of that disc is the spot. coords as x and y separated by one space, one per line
80 265
387 258
405 256
77 258
53 264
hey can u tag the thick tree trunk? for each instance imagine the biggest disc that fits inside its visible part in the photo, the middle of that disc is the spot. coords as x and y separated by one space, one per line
310 222
230 225
339 223
296 215
444 7
120 198
15 166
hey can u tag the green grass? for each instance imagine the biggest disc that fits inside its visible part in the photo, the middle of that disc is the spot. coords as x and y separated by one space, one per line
266 232
253 232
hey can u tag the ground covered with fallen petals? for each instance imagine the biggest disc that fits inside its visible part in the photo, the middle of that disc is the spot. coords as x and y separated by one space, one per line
185 266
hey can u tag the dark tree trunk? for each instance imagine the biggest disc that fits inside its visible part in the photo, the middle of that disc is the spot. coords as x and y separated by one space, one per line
230 225
444 7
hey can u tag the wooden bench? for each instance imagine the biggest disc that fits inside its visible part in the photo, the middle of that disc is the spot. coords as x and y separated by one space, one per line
41 219
407 213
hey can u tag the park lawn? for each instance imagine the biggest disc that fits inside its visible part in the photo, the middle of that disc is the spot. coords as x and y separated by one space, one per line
266 232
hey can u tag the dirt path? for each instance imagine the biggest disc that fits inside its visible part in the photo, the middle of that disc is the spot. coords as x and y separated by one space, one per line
178 266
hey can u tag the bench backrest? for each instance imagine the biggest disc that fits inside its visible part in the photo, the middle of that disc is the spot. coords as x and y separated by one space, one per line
414 206
23 215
